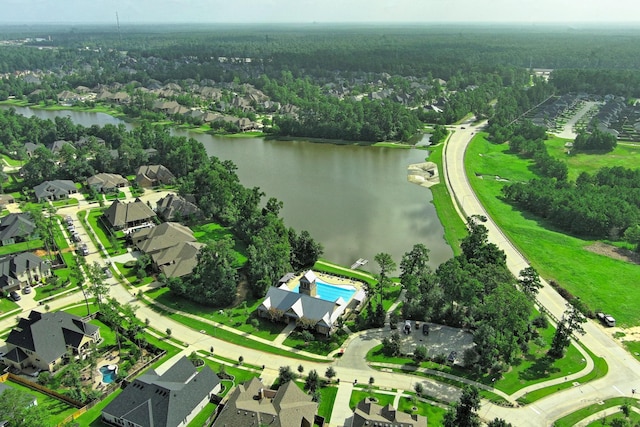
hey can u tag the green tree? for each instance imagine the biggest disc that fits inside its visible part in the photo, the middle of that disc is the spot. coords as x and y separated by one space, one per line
17 409
312 382
464 412
499 422
391 345
285 374
97 286
632 235
570 323
420 354
529 282
330 373
386 266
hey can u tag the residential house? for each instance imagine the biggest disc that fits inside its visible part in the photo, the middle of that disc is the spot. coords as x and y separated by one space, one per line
153 175
252 403
107 182
121 215
16 227
172 247
369 414
172 399
30 148
44 340
174 208
6 199
56 146
58 189
22 269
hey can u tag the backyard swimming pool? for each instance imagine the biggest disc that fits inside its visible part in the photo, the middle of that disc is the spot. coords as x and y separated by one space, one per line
329 292
109 373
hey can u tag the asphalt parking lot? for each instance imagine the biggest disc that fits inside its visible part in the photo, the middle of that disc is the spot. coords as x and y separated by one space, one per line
440 340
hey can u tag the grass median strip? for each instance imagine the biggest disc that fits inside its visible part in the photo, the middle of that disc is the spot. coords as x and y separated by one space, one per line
228 336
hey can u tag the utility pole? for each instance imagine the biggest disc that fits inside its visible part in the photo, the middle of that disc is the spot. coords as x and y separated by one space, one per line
118 24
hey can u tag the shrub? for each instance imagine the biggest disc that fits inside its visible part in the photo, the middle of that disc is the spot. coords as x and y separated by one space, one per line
541 321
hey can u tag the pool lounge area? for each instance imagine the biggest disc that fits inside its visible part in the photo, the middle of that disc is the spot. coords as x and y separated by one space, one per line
331 293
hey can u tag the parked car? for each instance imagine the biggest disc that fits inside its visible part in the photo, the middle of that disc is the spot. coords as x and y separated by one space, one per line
107 272
425 328
76 237
26 290
68 220
15 296
407 327
83 249
452 357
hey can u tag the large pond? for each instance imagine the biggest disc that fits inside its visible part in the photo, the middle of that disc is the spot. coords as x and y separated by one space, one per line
355 200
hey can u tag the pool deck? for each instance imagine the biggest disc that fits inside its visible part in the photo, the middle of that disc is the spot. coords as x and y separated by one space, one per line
328 279
110 358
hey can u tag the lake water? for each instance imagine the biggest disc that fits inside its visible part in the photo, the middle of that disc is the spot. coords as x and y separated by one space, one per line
354 200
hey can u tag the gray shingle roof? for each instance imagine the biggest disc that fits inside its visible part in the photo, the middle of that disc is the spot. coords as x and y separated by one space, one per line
171 205
251 401
107 181
12 266
16 225
57 188
49 334
164 236
154 400
387 415
301 305
120 214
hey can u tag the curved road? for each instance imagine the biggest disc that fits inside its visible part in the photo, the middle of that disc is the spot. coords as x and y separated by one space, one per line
624 370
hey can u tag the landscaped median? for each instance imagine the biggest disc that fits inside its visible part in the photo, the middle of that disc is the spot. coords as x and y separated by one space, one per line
218 330
575 417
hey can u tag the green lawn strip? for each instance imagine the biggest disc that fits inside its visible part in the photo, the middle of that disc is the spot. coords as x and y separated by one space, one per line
555 255
321 345
213 232
91 418
103 234
337 270
574 417
600 369
83 216
217 357
226 335
57 410
435 414
200 419
7 306
65 202
28 246
113 196
633 419
633 347
239 375
454 227
12 162
359 394
128 273
327 400
240 317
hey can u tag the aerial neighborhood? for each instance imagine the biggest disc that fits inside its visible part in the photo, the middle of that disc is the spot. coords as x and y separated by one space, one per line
147 279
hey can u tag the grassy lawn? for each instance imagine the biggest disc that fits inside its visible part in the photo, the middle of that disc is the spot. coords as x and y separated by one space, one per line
91 418
239 375
633 347
226 335
6 305
113 196
207 411
575 417
360 393
239 317
623 155
29 245
555 255
56 409
454 228
434 414
12 162
634 419
212 232
320 345
103 234
327 399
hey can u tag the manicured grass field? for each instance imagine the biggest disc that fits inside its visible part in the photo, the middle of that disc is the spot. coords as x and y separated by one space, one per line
212 232
91 418
602 283
454 228
103 234
327 399
27 246
627 156
434 414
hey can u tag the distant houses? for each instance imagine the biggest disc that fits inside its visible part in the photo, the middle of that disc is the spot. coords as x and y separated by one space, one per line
44 340
172 399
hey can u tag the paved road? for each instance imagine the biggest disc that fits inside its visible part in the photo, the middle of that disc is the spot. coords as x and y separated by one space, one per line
624 370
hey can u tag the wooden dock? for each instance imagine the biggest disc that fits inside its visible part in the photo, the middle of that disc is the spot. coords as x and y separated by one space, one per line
359 263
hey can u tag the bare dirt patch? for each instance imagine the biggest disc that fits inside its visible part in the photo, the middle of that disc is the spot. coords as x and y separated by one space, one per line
614 252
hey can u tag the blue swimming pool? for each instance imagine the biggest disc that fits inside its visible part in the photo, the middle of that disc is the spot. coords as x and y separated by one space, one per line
329 292
109 374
